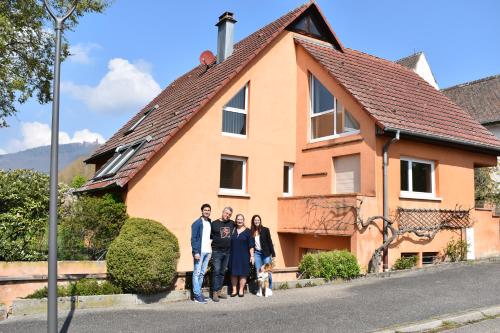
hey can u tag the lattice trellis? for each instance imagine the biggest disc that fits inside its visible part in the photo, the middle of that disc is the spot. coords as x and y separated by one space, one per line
433 218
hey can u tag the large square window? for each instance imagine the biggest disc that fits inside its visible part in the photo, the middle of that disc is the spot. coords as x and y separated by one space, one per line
234 114
233 175
417 178
329 118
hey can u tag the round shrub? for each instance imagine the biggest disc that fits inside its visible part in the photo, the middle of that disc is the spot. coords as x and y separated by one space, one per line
143 258
329 265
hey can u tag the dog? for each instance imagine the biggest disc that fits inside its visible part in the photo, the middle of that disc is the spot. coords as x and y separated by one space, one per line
263 280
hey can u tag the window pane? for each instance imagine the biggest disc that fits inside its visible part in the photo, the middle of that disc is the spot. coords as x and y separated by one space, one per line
238 101
286 180
322 99
404 176
231 174
350 124
421 174
322 126
234 122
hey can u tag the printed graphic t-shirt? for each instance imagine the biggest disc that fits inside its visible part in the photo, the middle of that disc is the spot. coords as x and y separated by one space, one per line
221 234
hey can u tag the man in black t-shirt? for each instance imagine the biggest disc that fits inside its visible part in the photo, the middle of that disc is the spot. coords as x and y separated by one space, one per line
221 231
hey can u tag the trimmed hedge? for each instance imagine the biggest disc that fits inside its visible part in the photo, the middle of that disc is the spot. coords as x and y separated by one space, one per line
143 258
83 287
329 265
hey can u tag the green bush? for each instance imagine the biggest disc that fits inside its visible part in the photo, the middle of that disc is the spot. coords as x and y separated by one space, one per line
329 265
24 215
88 225
83 287
143 258
405 262
456 250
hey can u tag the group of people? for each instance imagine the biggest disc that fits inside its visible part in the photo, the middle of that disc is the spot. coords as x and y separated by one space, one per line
230 245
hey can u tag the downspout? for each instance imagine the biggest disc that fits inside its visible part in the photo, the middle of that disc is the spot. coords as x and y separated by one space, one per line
386 201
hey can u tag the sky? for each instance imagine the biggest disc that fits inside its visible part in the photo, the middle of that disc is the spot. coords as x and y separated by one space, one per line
123 58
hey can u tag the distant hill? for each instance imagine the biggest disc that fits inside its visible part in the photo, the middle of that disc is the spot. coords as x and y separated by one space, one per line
76 168
39 158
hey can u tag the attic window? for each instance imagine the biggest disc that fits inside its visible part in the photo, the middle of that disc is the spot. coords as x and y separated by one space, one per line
329 118
138 122
234 114
306 25
122 155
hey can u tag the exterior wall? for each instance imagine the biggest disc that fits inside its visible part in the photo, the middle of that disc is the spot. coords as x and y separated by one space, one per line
19 279
186 173
314 170
454 173
495 129
424 70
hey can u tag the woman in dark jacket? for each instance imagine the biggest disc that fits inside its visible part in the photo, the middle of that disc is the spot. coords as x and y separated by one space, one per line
264 249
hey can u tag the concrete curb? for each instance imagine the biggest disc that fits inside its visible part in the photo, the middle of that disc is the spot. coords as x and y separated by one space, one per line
24 307
458 319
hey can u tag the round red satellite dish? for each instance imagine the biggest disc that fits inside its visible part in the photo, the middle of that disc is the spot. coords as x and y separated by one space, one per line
207 58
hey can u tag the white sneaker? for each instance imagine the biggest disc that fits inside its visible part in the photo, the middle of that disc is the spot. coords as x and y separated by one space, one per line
259 293
269 292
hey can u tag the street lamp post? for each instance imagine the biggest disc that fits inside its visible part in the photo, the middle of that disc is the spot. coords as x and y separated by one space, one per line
52 299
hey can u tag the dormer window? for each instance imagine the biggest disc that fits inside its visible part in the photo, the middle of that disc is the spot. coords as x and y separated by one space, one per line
122 155
234 114
329 118
138 122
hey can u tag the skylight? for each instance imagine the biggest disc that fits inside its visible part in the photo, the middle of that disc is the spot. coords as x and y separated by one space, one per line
138 122
122 155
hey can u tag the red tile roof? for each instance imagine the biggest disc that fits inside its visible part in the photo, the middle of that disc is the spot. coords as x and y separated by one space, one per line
182 99
392 94
399 99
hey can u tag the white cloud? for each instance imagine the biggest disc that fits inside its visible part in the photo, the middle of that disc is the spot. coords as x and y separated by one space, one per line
37 134
80 53
2 152
125 87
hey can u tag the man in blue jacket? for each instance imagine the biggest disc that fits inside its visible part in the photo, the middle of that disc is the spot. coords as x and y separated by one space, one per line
202 250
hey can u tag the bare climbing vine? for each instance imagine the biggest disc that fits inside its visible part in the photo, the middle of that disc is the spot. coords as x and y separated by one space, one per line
326 215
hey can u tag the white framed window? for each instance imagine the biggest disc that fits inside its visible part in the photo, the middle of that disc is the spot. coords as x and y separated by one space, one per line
233 174
417 178
287 179
328 117
234 114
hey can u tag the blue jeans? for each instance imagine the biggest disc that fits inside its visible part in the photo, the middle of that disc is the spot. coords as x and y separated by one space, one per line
200 267
220 259
260 260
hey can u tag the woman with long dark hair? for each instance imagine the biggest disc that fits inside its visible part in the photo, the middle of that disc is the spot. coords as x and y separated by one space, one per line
264 248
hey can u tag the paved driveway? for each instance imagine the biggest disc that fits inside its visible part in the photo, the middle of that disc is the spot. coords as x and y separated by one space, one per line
360 306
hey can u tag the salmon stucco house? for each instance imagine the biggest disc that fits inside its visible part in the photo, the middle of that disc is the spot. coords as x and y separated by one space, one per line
291 124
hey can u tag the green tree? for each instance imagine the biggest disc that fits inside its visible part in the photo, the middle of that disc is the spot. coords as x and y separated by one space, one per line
487 189
78 181
27 49
88 225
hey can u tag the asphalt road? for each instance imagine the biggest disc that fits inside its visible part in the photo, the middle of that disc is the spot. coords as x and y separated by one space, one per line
360 306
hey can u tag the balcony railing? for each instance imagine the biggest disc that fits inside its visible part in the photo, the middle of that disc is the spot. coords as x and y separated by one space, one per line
322 215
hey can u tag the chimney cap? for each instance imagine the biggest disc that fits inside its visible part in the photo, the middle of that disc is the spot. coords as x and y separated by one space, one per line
226 16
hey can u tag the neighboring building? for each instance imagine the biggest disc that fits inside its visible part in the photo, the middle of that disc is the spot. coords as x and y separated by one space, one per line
418 63
291 125
481 99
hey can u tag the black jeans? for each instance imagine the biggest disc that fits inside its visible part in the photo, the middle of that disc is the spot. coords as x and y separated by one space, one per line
220 259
